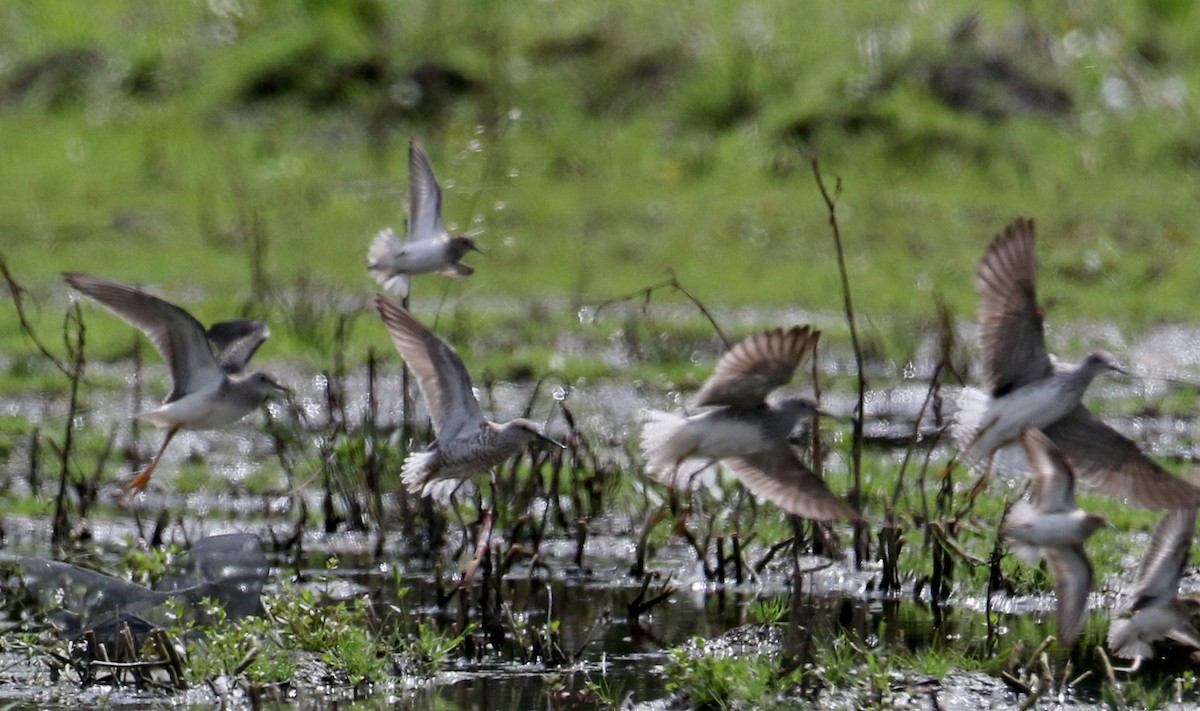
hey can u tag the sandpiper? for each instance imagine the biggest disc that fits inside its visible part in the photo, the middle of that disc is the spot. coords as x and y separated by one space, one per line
210 389
428 248
1056 528
1027 390
745 431
1158 610
467 443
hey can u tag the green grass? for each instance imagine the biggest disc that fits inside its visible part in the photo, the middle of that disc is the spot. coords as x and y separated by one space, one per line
606 145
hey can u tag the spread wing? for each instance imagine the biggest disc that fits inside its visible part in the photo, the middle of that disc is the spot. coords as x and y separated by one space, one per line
753 368
1109 461
179 338
440 372
236 342
1072 581
1163 564
424 197
779 476
1053 482
1010 320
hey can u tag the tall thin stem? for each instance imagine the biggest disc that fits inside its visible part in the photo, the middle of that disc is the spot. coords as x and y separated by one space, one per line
860 531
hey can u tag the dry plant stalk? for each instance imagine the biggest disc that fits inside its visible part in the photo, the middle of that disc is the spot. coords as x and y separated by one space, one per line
860 529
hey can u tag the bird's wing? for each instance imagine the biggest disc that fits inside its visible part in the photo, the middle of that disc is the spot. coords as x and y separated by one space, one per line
1111 462
1010 320
753 368
440 372
1163 564
1053 481
780 477
1072 581
424 197
179 338
237 341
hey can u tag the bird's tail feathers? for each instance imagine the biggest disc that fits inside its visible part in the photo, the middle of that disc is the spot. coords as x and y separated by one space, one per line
661 448
1021 515
973 405
1124 642
384 251
417 472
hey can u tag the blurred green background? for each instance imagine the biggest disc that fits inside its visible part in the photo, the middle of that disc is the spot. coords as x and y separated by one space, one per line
238 155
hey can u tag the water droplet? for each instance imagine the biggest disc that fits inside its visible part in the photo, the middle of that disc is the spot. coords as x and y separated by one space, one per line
910 370
509 241
475 145
560 393
500 205
480 129
514 114
587 316
513 173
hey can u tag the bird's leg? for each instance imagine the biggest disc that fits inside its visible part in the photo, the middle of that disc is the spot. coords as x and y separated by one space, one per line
484 542
141 480
1137 664
983 480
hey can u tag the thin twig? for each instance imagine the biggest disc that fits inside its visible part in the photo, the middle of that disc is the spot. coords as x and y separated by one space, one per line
672 283
860 538
17 291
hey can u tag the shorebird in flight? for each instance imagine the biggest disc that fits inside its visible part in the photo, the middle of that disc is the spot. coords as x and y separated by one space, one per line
210 390
1026 389
1158 612
1054 527
467 442
746 432
428 247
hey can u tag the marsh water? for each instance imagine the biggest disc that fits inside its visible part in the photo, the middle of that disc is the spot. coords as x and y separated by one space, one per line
586 592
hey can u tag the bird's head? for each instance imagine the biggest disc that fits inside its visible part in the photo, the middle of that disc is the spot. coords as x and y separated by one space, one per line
529 432
1094 522
461 244
798 407
1101 361
265 386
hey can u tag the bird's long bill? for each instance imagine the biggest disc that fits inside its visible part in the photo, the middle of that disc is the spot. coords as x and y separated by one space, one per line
473 248
547 440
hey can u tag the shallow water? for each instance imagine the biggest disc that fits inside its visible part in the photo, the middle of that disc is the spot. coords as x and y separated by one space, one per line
589 604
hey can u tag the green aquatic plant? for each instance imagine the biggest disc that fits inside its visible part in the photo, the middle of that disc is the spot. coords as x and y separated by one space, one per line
730 681
250 647
770 611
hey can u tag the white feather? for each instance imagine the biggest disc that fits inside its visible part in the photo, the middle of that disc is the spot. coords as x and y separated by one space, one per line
383 256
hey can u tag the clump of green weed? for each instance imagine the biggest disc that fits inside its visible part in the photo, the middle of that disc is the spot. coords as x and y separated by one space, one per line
720 681
251 647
